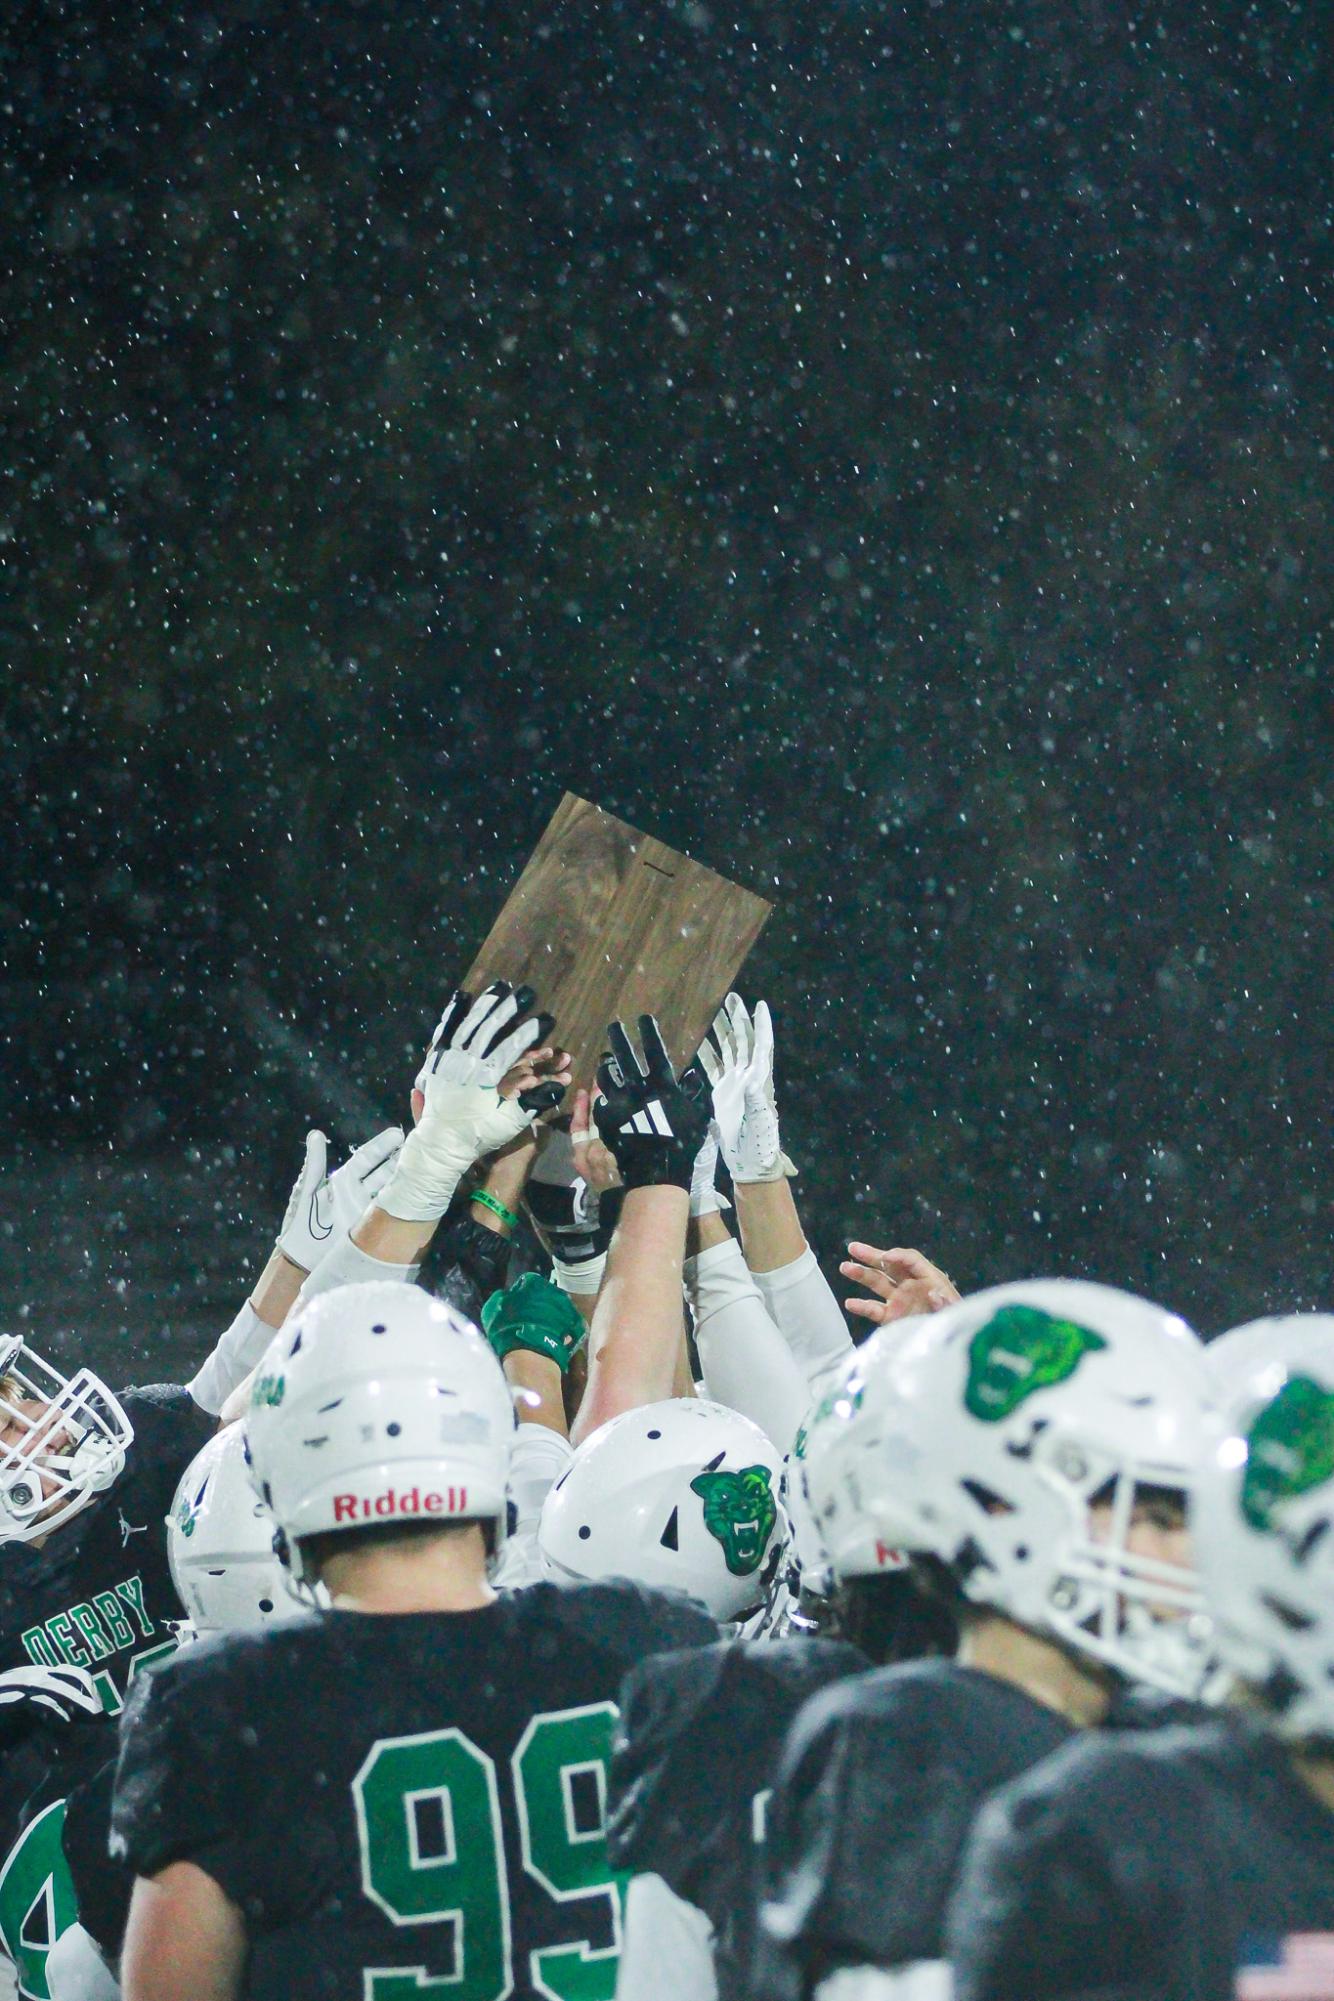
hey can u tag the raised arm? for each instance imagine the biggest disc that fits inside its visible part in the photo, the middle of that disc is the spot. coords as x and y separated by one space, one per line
739 1058
654 1126
321 1209
488 1074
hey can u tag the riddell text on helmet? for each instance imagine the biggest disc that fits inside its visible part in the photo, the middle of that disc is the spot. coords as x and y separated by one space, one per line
363 1508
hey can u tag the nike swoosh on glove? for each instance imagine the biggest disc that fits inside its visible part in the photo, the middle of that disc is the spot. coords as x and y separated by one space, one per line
323 1208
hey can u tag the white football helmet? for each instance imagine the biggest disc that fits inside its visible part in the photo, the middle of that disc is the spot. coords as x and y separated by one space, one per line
375 1405
984 1436
1231 1357
65 1440
682 1493
220 1542
1263 1525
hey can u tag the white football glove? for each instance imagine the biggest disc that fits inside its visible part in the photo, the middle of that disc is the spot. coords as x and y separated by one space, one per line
739 1064
705 1199
66 1694
322 1207
465 1116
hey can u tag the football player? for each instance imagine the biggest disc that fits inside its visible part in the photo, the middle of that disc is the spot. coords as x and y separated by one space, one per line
654 1125
86 1598
405 1791
1030 1450
1160 1865
87 1476
699 1740
228 1579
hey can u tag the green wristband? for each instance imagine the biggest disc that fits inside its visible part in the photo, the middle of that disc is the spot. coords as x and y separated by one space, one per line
496 1208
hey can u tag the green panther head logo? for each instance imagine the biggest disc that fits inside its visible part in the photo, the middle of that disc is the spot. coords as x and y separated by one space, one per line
740 1510
1019 1350
1289 1449
186 1517
268 1390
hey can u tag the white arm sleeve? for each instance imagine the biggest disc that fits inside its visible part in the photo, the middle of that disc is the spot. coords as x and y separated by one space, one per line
346 1264
539 1458
811 1320
232 1360
667 1954
743 1356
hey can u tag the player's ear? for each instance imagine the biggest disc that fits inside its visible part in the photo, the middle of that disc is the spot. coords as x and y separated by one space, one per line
418 1101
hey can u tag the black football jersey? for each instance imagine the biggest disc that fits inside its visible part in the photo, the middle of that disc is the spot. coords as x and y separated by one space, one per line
102 1883
1144 1868
97 1594
395 1801
699 1738
877 1788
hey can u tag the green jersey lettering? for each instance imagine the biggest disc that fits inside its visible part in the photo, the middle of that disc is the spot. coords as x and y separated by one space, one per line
90 1626
36 1900
119 1627
39 1648
132 1591
62 1633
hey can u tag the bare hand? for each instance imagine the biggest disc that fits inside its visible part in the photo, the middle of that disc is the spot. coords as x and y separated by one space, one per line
904 1282
592 1159
547 1065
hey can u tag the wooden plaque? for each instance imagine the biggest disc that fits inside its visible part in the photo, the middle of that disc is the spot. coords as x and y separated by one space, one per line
607 922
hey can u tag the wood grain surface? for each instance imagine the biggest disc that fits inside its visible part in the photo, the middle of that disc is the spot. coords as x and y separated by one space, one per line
606 922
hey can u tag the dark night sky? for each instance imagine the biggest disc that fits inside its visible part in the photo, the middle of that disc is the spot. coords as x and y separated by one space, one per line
880 450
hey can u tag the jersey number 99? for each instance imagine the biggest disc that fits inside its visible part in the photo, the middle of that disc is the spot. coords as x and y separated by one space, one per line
433 1852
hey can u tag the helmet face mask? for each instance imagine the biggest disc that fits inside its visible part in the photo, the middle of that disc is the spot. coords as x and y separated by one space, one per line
681 1494
63 1440
379 1407
1023 1438
1264 1524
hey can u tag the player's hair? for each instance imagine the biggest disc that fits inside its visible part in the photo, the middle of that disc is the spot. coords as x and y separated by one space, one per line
317 1549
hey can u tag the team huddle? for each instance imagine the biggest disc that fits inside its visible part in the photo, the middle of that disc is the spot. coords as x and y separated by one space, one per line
623 1629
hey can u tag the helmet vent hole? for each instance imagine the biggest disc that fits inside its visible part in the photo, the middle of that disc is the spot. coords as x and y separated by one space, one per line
716 1461
585 1532
1021 1552
1287 1615
669 1537
1310 1541
379 1328
295 1348
393 1429
655 1434
990 1502
266 1604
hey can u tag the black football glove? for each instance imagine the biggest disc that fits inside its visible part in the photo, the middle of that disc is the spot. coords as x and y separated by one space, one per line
653 1125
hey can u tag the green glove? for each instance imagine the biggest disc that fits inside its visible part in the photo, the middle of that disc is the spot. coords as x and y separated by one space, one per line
533 1313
